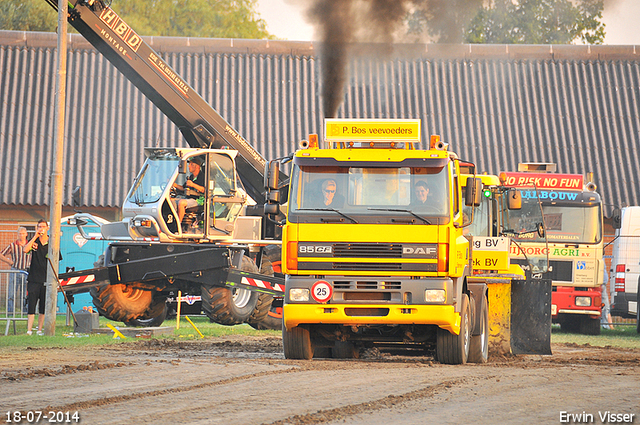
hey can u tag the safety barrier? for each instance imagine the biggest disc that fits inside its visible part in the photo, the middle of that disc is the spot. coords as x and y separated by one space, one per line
13 292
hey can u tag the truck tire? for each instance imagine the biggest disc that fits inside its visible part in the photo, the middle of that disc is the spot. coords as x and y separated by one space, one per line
454 349
637 319
569 324
260 312
297 343
589 326
155 315
272 320
479 346
228 306
265 316
345 350
121 302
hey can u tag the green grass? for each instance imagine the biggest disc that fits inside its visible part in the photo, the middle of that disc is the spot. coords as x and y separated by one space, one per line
624 336
65 337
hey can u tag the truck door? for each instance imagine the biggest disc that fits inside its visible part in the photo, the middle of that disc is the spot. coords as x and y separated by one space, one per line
224 202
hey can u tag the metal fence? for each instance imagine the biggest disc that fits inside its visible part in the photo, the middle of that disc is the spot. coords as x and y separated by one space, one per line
13 293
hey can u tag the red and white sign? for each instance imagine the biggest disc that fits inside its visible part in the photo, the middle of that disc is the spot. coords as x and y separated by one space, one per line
262 284
322 291
543 181
78 279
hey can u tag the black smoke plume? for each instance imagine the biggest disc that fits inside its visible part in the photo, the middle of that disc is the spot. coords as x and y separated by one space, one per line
340 23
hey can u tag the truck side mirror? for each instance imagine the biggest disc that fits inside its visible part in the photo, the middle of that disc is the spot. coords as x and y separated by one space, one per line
473 192
272 209
514 199
271 175
616 218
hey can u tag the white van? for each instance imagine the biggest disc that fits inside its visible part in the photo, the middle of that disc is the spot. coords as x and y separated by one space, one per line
625 265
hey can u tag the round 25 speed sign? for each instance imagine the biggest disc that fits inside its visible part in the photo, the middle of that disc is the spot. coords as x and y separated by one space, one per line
321 291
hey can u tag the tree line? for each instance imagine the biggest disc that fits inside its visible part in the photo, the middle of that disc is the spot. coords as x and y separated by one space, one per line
439 21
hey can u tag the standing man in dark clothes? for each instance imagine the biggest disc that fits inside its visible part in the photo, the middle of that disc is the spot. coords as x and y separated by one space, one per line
39 247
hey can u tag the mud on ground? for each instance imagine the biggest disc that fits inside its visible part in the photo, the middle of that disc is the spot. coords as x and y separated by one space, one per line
246 380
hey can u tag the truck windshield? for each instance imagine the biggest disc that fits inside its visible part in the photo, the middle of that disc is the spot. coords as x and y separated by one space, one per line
360 191
564 224
153 179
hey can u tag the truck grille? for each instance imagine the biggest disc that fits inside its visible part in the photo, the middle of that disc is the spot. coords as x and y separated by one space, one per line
377 267
562 271
367 250
366 284
367 266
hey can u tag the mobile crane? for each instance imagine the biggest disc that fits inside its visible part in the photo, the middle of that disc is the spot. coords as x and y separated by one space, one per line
214 250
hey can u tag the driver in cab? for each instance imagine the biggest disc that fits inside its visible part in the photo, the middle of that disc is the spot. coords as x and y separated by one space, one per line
193 187
421 191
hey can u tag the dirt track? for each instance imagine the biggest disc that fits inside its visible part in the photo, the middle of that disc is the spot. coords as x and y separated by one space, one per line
246 380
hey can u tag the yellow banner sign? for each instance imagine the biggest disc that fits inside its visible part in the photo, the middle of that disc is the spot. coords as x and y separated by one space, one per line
387 130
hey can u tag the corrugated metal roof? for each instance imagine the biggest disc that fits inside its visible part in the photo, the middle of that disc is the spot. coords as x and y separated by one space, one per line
496 105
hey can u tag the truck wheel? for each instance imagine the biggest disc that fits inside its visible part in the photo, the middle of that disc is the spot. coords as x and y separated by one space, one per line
569 324
637 319
345 350
589 326
265 316
272 320
297 343
479 346
154 316
121 302
261 311
230 306
454 349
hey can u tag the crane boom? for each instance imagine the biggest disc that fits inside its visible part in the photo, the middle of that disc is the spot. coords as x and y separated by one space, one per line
201 125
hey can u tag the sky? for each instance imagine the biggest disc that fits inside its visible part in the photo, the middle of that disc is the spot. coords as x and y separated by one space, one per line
285 20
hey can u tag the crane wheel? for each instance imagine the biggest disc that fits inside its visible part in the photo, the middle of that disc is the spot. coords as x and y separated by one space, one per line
121 302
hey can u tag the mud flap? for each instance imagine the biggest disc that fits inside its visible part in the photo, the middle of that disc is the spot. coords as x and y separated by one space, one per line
499 298
531 316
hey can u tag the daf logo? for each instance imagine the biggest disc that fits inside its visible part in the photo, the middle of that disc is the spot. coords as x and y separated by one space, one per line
426 251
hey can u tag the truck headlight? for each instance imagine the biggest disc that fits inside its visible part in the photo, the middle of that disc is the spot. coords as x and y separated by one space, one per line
298 294
435 295
583 301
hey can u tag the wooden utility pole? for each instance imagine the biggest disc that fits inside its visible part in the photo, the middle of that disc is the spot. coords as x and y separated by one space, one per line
55 213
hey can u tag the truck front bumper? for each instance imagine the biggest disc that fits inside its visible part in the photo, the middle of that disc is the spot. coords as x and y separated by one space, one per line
443 316
570 300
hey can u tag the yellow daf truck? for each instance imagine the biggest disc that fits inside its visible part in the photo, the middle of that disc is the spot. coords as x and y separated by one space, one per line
375 250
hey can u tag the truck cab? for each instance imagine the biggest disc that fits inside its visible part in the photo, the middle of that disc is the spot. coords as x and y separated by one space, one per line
574 240
151 208
366 257
152 203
